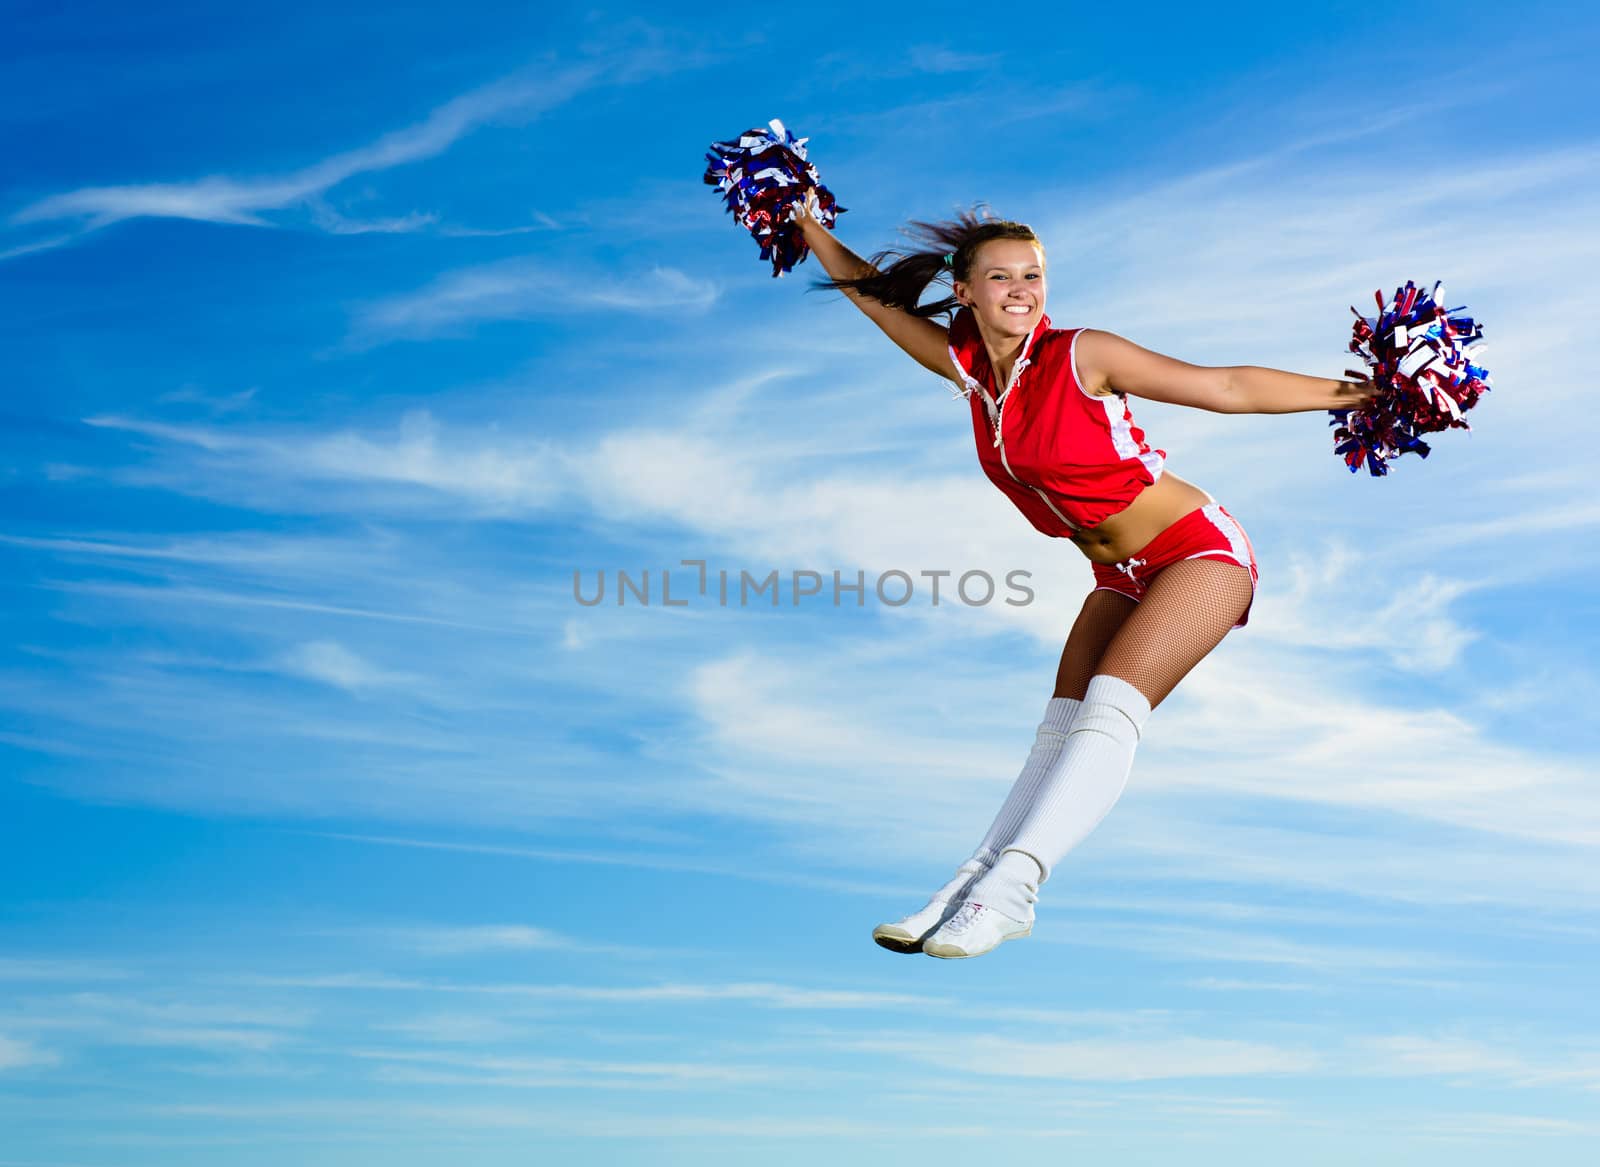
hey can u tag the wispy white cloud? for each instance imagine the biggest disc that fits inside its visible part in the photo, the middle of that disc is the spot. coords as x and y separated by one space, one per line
207 438
216 596
1232 985
1477 1126
242 550
455 1028
199 1038
942 59
55 971
762 993
1291 740
47 244
333 664
1413 628
520 289
778 996
16 1055
1415 1054
1468 1058
1184 942
202 1024
260 201
523 474
353 981
213 403
468 940
998 102
539 1072
334 223
1101 1059
541 222
1430 871
1160 1055
432 1117
635 858
1179 267
247 201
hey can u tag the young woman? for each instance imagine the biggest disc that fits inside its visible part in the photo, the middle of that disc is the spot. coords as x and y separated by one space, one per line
1174 571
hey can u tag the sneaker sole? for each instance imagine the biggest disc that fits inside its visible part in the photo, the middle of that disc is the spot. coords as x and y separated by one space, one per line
896 939
951 952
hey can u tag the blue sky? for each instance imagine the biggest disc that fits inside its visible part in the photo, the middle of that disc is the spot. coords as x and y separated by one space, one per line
333 830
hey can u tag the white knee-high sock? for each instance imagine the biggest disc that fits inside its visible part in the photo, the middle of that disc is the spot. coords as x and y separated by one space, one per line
1086 781
1048 741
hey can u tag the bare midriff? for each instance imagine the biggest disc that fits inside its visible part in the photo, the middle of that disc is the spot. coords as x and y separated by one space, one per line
1152 511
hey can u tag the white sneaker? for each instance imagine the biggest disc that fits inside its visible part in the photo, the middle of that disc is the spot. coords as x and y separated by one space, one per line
972 931
907 935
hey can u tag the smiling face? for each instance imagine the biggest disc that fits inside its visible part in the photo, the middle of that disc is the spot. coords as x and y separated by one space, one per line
1005 287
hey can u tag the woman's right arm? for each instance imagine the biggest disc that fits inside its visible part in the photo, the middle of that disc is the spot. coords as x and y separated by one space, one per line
924 341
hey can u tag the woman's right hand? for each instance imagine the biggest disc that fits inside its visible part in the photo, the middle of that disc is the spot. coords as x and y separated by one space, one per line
805 210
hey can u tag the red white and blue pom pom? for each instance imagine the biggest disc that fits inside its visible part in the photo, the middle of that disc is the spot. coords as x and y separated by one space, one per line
1418 355
762 175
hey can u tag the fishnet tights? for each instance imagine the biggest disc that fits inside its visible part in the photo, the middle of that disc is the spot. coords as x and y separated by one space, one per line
1153 643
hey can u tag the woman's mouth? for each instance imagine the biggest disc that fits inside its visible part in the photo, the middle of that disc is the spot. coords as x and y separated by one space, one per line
1018 309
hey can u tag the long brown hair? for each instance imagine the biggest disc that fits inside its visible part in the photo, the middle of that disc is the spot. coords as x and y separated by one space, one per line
909 272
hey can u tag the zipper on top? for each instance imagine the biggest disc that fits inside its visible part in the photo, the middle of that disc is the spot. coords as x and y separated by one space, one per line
997 408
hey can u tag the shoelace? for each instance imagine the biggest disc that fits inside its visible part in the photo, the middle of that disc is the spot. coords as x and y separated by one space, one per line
963 919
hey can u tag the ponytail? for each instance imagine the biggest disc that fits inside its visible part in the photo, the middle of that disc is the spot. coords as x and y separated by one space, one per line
946 255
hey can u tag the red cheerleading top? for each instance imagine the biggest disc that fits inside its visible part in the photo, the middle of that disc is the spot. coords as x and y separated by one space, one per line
1067 458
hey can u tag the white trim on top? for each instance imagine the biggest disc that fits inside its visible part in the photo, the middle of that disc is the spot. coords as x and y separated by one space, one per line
1072 351
1119 420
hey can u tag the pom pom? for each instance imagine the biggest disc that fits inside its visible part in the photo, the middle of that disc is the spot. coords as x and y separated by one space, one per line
762 175
1419 357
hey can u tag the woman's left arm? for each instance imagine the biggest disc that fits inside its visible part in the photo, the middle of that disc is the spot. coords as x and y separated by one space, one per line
1109 362
1253 389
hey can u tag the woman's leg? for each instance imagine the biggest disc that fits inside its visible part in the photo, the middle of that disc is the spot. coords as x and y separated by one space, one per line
1186 611
1102 614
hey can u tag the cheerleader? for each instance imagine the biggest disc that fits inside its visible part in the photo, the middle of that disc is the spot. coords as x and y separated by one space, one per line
1174 571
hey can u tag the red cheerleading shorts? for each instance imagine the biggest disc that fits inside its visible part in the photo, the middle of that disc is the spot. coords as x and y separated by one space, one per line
1208 532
